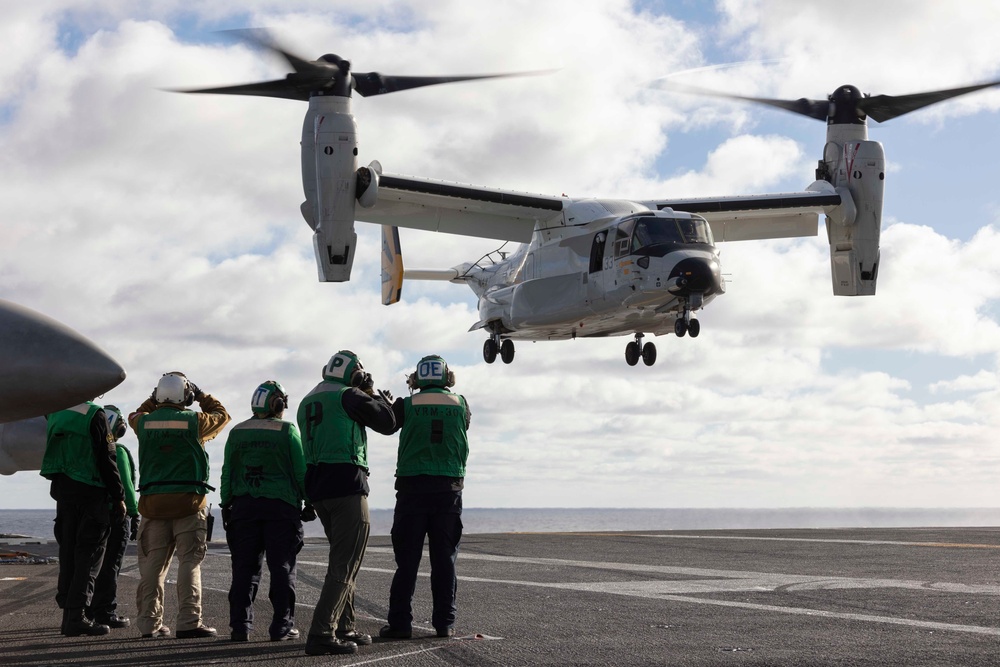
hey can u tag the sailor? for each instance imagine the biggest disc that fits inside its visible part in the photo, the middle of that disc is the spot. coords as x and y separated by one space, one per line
263 486
103 607
173 474
430 476
80 462
333 418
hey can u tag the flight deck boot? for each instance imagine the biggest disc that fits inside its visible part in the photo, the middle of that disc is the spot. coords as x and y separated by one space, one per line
76 624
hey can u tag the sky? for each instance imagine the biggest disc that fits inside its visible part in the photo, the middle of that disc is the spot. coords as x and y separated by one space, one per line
166 228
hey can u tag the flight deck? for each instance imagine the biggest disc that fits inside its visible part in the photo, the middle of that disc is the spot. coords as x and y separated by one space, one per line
913 596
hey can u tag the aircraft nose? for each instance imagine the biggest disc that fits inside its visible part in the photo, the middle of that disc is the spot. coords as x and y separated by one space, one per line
46 366
696 274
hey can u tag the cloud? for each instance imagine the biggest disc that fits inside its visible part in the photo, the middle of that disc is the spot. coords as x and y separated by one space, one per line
166 227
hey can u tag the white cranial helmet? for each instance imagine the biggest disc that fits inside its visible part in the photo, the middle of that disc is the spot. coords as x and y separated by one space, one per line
172 389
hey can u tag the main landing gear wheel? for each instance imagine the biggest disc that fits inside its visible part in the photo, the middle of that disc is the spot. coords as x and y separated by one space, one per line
507 351
490 351
632 353
694 328
635 350
648 354
680 327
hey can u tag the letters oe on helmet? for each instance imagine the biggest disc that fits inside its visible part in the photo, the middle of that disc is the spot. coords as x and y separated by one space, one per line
432 371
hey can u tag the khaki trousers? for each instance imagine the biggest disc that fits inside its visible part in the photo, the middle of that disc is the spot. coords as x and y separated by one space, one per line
347 525
157 542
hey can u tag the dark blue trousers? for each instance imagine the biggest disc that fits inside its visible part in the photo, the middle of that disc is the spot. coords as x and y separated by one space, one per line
438 517
81 530
105 600
263 528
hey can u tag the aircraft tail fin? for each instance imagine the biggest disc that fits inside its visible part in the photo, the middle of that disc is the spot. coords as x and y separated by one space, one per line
392 266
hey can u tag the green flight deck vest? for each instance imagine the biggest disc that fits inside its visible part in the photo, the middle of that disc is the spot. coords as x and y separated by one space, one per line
68 446
259 461
171 457
433 440
329 435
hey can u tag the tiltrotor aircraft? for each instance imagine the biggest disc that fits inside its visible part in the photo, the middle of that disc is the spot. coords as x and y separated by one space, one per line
585 267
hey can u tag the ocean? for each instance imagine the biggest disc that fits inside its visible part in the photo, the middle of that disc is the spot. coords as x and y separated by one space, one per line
38 523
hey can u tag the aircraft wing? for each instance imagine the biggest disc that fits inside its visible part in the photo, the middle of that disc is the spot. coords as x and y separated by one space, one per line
468 210
770 216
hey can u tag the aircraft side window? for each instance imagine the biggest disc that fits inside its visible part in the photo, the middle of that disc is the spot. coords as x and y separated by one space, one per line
623 238
597 252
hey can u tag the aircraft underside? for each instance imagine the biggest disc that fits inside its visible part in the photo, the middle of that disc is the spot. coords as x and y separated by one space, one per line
671 317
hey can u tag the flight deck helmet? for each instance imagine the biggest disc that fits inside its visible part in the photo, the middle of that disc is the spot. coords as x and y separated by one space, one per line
116 423
346 368
173 388
432 371
269 398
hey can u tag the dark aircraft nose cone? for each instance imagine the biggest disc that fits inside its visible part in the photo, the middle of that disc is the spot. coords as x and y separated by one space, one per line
696 274
46 366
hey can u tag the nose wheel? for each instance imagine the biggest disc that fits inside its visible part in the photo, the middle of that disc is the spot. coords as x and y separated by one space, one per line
636 350
687 325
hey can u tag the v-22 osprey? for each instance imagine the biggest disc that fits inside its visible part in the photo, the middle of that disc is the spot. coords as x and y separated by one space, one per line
586 267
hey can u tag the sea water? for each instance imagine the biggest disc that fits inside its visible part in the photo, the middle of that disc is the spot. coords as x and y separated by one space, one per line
38 523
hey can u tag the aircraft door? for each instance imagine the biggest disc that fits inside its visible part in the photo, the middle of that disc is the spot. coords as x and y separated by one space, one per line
601 253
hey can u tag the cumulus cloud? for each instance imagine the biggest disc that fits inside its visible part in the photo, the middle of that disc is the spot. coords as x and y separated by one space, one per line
166 227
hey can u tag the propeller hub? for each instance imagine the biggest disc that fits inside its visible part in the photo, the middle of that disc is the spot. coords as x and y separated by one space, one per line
844 108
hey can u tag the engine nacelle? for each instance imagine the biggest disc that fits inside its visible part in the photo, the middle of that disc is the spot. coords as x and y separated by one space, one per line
329 163
857 170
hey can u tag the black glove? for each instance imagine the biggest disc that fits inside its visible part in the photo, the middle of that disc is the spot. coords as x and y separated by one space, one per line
366 383
308 513
133 531
198 393
386 396
227 515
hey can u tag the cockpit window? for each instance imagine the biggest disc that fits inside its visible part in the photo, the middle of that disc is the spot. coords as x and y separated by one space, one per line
650 230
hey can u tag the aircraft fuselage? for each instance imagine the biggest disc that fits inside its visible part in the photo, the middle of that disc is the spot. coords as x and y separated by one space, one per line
635 272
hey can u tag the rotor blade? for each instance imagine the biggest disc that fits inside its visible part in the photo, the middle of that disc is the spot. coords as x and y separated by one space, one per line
263 39
374 83
282 88
881 108
817 109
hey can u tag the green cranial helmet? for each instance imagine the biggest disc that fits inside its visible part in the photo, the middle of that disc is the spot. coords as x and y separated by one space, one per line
432 371
269 399
116 423
344 367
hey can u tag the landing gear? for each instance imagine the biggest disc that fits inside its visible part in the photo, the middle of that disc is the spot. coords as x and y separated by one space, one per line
507 351
632 353
686 324
649 354
494 345
636 349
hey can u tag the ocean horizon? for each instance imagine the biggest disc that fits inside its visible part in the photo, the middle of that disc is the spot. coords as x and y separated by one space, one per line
38 522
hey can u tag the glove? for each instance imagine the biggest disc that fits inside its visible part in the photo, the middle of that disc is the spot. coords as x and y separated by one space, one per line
366 384
198 393
227 515
133 531
308 513
386 396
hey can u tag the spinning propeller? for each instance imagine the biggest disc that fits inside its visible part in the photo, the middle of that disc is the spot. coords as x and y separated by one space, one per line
330 75
847 105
